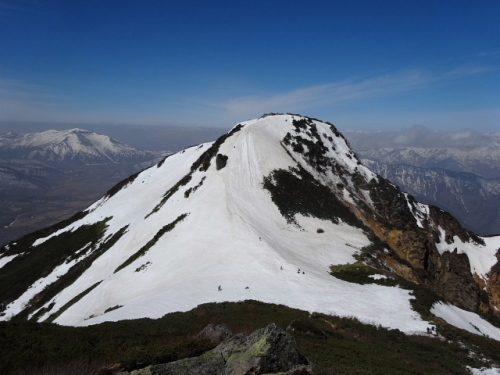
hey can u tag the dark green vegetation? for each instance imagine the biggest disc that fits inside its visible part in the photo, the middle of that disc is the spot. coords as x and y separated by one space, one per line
70 277
38 262
112 308
96 250
115 189
182 182
72 302
19 246
143 250
362 274
308 119
335 345
295 191
162 161
193 189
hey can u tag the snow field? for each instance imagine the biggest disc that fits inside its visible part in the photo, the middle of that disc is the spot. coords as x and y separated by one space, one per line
465 320
234 236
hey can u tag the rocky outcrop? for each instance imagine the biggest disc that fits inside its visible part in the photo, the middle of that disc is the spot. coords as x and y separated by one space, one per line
416 256
269 350
389 216
220 161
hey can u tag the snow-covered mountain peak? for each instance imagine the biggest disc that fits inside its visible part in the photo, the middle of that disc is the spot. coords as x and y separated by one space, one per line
261 213
67 145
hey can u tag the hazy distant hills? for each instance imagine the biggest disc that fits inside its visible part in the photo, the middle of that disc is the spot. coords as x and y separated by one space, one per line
20 174
472 199
482 161
47 176
463 181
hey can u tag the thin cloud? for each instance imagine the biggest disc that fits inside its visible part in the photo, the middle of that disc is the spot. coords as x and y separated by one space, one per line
330 93
470 71
488 53
422 137
19 100
13 7
10 88
348 90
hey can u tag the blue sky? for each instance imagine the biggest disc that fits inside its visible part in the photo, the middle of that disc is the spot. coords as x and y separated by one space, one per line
358 64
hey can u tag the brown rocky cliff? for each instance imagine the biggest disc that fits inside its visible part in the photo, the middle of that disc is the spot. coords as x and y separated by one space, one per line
389 214
415 254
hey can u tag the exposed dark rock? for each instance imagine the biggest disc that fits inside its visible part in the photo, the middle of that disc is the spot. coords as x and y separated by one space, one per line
446 274
269 350
220 161
450 274
216 333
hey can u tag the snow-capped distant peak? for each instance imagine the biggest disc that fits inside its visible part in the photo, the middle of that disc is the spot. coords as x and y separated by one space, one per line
64 145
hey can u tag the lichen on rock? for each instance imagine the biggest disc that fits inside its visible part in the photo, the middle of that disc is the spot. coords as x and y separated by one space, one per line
269 350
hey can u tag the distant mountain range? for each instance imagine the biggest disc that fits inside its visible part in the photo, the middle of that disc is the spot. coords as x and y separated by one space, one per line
472 199
465 182
484 161
47 176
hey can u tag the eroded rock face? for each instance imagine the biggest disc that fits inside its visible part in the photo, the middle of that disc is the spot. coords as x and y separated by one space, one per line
389 216
418 259
268 350
415 256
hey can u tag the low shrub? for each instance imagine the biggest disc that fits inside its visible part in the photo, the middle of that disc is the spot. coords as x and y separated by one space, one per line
335 345
295 191
143 250
38 262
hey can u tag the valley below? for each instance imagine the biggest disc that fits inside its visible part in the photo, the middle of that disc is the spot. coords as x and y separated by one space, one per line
56 198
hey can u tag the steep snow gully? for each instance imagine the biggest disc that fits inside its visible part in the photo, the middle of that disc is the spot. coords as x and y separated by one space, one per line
232 235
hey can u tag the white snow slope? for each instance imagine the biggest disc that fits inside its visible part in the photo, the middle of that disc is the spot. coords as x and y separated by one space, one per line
233 236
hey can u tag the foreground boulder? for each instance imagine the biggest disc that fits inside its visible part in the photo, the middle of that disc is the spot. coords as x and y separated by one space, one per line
268 350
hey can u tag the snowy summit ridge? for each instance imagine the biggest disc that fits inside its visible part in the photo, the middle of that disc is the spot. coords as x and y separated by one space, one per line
261 213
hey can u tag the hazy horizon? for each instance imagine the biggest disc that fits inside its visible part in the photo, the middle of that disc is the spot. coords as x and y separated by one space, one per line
176 138
360 65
